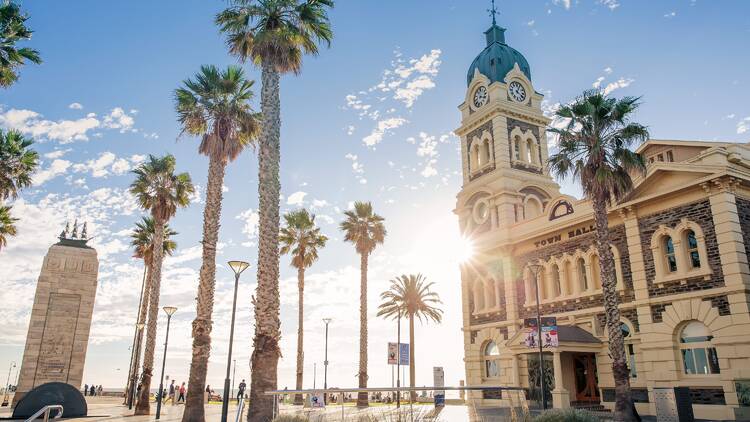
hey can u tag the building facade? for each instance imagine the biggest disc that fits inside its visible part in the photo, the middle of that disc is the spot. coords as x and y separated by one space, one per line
680 239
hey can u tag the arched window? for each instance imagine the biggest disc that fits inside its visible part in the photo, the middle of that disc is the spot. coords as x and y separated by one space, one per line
629 350
529 151
670 261
489 293
533 207
581 270
491 357
486 152
517 147
596 272
475 156
692 249
478 296
698 354
556 288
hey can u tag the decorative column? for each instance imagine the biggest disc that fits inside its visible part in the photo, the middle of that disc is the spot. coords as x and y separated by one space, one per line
560 396
734 261
509 283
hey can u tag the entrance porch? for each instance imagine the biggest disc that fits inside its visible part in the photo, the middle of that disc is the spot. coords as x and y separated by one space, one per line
573 363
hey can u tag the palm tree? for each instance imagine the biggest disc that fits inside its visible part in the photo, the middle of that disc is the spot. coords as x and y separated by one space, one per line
17 163
594 149
159 190
143 244
410 296
302 239
215 106
366 231
12 30
7 226
273 34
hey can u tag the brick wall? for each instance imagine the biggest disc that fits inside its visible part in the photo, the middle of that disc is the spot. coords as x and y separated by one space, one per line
743 210
700 213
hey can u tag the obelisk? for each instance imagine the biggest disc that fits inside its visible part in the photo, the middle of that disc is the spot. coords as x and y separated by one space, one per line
61 314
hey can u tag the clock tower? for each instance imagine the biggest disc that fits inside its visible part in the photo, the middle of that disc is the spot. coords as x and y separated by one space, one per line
503 141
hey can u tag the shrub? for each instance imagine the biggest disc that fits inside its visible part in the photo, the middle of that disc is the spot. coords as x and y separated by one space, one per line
566 415
290 418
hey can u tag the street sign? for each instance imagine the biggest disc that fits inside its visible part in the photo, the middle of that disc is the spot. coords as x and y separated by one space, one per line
393 354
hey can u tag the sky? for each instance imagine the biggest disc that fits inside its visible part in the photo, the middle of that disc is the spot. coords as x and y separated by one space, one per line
370 118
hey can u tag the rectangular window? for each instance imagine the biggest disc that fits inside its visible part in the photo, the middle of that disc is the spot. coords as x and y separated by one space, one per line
700 361
660 157
670 156
651 160
687 359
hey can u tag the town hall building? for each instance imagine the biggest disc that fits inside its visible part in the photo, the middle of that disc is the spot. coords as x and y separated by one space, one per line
681 241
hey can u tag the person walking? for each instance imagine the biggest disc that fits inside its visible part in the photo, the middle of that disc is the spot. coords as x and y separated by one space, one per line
241 392
100 390
171 393
181 398
85 389
92 391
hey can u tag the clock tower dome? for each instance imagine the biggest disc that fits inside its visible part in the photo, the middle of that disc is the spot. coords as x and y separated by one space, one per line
503 141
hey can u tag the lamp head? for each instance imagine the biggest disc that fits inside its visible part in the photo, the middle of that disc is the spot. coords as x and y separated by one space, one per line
238 266
169 310
327 320
535 269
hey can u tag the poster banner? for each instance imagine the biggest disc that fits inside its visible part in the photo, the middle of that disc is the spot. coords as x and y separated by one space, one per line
317 400
549 332
393 356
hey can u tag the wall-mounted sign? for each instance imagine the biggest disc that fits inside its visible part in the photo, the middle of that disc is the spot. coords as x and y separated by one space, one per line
559 237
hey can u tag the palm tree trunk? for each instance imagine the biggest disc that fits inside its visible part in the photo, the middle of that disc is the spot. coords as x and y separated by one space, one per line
624 409
362 399
202 324
412 370
135 356
143 405
300 333
266 351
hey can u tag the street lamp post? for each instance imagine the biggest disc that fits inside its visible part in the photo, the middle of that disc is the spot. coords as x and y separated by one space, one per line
139 327
535 268
234 372
238 267
7 384
398 362
169 310
326 321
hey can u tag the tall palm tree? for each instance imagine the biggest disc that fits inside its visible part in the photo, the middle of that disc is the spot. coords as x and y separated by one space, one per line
143 245
410 296
366 231
302 239
594 148
215 105
12 30
274 35
7 226
17 163
159 190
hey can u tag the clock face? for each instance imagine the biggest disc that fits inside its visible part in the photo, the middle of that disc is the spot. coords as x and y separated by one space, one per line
517 91
480 96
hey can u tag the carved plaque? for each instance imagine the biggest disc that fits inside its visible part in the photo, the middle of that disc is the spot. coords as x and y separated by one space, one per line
57 341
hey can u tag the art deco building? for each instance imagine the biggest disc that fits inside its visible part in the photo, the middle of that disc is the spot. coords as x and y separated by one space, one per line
680 241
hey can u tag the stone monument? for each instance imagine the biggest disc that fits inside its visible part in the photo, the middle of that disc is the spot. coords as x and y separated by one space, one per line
61 314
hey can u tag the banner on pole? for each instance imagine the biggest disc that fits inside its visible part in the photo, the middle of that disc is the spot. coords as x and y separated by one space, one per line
438 379
393 354
549 332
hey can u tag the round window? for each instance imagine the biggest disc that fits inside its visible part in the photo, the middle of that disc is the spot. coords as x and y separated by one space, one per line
481 211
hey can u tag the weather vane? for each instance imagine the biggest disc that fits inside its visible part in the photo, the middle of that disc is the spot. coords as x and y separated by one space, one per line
493 12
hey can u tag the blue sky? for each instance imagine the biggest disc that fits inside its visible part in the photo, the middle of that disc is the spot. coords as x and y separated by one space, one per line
344 137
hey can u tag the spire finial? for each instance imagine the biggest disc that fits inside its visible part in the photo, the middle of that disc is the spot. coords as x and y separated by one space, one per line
493 12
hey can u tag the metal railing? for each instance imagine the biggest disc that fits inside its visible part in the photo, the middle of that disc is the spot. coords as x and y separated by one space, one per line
518 399
240 407
46 411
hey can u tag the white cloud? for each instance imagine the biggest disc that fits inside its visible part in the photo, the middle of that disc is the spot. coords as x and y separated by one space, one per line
56 168
56 153
607 70
357 168
384 126
620 83
670 14
611 4
598 82
121 166
414 90
250 226
97 167
564 3
297 198
119 119
75 106
137 159
31 123
743 125
319 203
